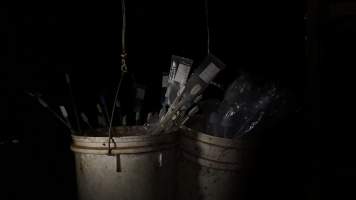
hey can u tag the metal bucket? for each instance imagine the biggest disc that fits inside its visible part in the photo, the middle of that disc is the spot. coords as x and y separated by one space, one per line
140 167
211 168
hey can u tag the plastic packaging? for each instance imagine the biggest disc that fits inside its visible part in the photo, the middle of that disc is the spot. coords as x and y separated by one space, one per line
257 110
243 108
199 81
178 76
232 109
196 84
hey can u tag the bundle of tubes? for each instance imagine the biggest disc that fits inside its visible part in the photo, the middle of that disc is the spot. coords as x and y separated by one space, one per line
242 108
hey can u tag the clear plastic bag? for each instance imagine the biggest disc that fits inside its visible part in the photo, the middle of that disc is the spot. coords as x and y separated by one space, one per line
243 108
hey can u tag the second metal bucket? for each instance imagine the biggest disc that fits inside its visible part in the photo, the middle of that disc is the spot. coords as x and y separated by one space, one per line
139 167
211 168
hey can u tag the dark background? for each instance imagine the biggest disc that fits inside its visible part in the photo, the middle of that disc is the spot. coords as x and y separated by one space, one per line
42 41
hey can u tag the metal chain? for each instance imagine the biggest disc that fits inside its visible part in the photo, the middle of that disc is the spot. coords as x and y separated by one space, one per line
124 70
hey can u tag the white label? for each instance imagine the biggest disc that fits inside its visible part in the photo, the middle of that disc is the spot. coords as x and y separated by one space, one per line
164 81
172 71
209 72
182 74
140 93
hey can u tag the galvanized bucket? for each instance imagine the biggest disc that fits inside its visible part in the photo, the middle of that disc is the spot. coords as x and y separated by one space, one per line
139 167
211 168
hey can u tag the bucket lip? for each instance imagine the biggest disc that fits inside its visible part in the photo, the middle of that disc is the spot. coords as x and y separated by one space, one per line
140 137
205 138
212 164
124 138
122 150
123 144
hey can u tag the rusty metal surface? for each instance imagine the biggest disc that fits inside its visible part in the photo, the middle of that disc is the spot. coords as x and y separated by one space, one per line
196 182
137 176
211 168
215 149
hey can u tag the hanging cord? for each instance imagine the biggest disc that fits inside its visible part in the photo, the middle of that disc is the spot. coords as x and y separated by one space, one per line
123 72
123 30
207 26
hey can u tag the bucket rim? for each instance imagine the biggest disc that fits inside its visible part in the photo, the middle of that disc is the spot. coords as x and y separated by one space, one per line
213 140
133 137
122 150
